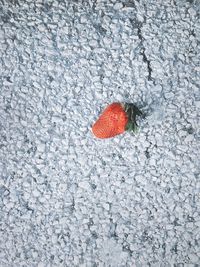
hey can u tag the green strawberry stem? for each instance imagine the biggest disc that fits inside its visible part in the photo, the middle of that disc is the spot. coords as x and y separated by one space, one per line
132 111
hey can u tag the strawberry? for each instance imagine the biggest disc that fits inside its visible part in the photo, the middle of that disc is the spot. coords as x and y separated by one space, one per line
116 119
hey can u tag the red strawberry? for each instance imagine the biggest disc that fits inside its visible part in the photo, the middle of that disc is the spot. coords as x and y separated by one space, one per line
116 119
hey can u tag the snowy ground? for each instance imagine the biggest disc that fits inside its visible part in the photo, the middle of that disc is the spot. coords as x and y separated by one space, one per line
67 198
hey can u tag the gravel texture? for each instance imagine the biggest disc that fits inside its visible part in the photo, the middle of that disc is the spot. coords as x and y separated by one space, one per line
67 198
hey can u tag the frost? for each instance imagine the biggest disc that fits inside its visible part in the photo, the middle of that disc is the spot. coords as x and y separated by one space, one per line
111 253
67 198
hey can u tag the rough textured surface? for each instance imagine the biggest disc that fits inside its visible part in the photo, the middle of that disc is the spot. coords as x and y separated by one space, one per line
66 198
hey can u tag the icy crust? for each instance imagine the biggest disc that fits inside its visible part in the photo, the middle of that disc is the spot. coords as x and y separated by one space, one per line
68 199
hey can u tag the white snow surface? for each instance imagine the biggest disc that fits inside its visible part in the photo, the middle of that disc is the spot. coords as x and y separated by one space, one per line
66 197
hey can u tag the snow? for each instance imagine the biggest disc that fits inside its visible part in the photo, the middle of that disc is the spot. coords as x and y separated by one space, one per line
67 198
